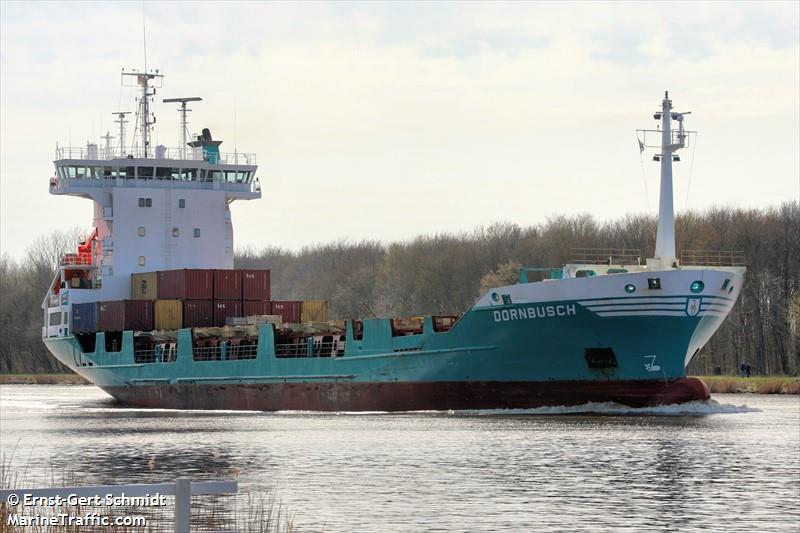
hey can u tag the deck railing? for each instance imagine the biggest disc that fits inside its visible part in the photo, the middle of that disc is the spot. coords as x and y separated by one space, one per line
99 153
712 258
606 256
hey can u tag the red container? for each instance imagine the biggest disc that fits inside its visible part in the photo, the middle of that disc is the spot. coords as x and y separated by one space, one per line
224 309
256 307
288 309
227 284
121 315
255 285
198 313
189 284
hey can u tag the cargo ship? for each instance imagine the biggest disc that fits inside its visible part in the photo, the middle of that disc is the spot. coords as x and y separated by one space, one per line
151 309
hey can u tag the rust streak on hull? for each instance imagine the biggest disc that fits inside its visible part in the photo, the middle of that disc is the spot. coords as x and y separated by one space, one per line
408 396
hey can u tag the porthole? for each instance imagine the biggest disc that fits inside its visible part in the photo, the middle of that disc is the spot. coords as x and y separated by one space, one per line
630 288
730 290
697 286
495 297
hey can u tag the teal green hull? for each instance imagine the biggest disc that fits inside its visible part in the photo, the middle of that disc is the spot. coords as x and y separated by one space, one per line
478 349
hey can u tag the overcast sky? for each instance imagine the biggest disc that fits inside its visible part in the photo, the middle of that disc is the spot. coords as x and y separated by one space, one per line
389 120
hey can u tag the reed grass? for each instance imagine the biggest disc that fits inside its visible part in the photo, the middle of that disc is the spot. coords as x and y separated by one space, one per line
254 510
753 384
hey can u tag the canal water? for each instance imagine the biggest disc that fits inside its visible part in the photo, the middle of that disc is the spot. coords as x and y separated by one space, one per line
730 464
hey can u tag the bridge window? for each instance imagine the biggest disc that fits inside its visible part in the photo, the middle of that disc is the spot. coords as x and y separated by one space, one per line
163 173
144 173
213 175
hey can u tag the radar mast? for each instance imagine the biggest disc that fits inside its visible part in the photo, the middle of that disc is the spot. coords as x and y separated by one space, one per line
184 123
147 82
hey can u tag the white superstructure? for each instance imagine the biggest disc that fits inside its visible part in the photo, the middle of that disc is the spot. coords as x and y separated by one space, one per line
154 209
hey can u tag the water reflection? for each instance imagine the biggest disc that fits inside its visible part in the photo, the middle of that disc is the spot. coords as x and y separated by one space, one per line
454 471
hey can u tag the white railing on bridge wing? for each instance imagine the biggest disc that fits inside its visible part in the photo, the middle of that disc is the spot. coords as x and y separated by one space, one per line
183 489
98 153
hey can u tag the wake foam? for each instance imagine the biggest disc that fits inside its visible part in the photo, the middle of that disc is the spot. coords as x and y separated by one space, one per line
695 408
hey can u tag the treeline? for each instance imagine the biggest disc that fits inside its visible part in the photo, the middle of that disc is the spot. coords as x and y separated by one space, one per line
444 274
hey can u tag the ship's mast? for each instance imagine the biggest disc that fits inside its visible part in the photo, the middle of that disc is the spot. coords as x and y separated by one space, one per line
148 82
671 141
121 121
184 122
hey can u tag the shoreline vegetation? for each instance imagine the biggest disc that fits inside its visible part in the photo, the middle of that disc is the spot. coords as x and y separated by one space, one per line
443 274
717 384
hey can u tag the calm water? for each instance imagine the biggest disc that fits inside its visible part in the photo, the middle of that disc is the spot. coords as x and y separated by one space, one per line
729 465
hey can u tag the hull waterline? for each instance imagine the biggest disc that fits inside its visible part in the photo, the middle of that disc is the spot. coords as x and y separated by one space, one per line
409 396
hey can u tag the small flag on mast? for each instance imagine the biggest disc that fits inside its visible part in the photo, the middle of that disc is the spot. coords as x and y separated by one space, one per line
641 145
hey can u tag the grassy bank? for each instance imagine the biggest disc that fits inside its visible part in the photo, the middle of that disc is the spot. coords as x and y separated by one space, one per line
42 379
754 384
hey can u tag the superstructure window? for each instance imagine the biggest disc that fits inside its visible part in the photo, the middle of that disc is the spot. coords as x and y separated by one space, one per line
181 203
141 231
141 202
176 232
141 261
145 202
196 233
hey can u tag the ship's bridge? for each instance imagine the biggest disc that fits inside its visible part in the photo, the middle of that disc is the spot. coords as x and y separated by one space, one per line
82 171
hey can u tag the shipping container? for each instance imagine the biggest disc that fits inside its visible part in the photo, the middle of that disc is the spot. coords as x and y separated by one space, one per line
198 313
144 286
256 307
255 285
314 311
289 310
227 284
84 318
189 284
168 314
122 315
224 309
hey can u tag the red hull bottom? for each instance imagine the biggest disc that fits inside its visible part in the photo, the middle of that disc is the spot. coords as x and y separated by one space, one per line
409 396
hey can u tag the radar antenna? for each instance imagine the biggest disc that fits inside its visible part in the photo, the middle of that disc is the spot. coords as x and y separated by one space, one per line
148 82
121 121
184 123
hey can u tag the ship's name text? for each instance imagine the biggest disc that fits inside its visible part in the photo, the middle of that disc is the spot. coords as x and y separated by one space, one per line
539 311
